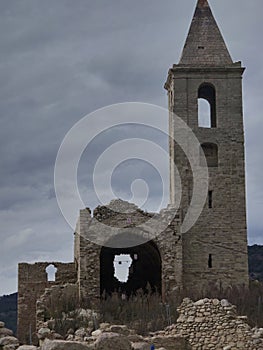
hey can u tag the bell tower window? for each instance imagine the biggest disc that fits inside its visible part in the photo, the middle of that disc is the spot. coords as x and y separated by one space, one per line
206 106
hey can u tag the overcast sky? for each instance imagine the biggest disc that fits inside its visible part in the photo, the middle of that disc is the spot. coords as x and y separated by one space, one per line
63 59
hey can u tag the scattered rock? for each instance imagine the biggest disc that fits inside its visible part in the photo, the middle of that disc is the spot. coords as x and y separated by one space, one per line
70 331
205 324
112 341
63 345
104 325
10 347
96 333
140 346
119 329
81 333
9 340
225 303
57 336
4 332
43 333
135 338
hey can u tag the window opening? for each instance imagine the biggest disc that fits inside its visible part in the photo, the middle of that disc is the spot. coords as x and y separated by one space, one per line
51 271
207 106
122 264
210 262
210 199
127 270
204 119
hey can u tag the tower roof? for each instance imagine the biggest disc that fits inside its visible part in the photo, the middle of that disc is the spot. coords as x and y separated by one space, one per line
204 44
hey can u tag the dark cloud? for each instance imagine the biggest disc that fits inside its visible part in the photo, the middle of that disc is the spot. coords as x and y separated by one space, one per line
61 60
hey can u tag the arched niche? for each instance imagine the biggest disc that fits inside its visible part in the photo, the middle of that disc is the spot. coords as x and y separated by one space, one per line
211 154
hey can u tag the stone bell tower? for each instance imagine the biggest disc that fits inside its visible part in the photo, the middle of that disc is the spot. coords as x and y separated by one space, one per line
215 248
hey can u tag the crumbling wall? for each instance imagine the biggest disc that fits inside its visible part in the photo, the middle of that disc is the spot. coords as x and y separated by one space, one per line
56 301
32 281
134 222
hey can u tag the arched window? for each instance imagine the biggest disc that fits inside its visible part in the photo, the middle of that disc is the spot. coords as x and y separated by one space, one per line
206 106
141 267
211 153
51 271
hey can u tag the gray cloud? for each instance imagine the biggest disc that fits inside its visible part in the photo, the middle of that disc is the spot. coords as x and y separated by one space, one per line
61 60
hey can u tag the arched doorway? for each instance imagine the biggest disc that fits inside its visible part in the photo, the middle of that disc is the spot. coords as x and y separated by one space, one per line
144 269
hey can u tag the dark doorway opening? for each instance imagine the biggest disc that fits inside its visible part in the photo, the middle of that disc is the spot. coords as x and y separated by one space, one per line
144 270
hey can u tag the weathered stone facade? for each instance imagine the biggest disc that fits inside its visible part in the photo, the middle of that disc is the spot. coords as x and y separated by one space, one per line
160 256
214 250
32 281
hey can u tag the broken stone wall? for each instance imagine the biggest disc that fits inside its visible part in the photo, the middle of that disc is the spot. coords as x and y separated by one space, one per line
134 223
32 281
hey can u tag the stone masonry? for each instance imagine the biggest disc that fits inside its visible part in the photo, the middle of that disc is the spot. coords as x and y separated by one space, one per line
214 324
32 282
165 257
215 248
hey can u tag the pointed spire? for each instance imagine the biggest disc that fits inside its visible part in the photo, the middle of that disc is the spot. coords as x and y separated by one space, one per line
205 44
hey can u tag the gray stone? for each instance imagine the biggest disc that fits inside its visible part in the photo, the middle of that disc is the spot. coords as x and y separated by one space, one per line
9 340
121 329
63 345
10 347
96 333
199 302
43 333
112 341
5 332
81 332
140 346
224 303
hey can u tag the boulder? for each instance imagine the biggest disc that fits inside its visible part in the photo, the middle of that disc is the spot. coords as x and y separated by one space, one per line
224 303
2 324
43 333
81 333
9 340
140 346
104 325
57 336
135 338
112 341
63 345
10 347
170 342
4 332
96 333
27 347
121 329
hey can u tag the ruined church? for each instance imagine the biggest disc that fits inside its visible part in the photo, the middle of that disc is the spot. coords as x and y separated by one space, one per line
214 250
